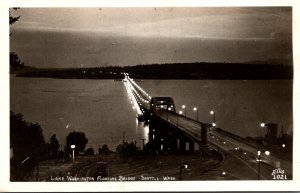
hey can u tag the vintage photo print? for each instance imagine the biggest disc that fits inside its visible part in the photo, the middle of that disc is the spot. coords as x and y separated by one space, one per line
153 94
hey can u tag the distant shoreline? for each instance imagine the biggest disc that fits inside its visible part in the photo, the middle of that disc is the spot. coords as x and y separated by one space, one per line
184 71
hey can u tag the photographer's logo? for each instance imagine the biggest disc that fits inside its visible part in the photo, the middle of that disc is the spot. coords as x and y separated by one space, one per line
279 174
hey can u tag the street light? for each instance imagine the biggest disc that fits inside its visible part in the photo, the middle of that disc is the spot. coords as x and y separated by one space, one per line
195 109
73 147
168 113
183 106
259 160
260 138
179 113
214 118
258 170
182 167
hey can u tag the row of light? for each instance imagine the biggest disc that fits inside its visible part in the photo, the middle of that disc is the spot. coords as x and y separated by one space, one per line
137 86
148 96
214 124
132 87
258 152
139 103
144 92
258 158
137 94
183 106
131 96
137 97
195 109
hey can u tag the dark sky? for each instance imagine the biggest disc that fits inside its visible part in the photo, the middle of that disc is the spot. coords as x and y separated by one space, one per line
74 37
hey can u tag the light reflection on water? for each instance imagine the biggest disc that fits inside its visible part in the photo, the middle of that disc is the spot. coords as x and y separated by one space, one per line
103 109
143 129
99 108
134 103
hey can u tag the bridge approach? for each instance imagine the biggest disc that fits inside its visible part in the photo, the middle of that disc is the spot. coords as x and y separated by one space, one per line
172 131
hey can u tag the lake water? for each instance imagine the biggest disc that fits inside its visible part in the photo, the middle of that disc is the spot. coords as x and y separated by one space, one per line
102 109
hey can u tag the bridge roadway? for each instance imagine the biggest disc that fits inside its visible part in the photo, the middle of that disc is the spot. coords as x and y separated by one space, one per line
193 128
244 152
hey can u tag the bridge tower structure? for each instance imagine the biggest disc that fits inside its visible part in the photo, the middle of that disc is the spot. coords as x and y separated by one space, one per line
167 136
168 130
166 103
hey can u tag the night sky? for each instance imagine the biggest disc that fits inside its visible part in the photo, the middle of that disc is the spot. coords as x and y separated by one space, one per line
88 37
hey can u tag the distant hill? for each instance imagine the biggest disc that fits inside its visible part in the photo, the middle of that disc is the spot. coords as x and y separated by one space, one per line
271 61
211 71
169 71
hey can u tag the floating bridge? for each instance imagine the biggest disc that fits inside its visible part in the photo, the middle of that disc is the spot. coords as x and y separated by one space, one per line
168 130
171 131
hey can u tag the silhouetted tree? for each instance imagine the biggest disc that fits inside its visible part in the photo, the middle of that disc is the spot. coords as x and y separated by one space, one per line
103 150
78 139
90 151
13 19
14 61
126 148
27 144
52 147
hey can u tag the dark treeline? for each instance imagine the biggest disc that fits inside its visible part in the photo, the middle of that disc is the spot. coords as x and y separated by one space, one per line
28 146
73 73
170 71
210 71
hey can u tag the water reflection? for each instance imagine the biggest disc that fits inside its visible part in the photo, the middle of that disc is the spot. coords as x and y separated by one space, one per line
141 128
103 109
131 97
